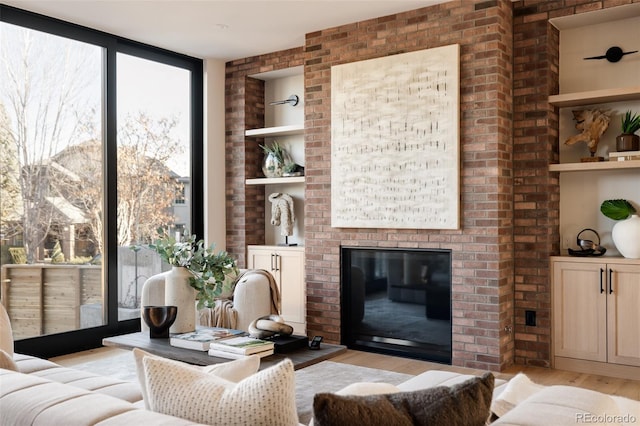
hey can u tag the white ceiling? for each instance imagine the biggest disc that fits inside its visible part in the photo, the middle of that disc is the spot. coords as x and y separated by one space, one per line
217 29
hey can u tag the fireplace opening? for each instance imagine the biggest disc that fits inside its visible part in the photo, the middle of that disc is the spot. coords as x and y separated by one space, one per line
397 301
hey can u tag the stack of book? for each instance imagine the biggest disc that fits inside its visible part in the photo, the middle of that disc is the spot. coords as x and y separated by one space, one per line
238 347
201 338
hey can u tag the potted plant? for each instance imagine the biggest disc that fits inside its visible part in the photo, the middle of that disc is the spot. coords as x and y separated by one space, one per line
195 269
628 140
276 160
625 232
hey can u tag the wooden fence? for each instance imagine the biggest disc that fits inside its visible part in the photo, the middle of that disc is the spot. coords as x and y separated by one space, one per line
44 299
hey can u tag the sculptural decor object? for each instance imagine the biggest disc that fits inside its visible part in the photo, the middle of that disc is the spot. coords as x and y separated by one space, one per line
282 214
592 123
159 319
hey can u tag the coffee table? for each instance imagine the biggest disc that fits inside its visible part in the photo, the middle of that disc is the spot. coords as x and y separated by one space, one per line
300 357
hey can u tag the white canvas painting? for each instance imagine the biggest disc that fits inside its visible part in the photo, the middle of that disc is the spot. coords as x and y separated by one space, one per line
395 141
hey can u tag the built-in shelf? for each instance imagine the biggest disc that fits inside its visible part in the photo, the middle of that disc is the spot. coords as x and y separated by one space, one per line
601 165
595 97
295 129
272 181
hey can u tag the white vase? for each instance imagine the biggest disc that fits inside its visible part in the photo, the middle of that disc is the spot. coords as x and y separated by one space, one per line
178 292
626 237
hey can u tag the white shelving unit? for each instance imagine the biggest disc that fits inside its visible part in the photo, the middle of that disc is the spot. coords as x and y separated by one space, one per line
284 122
295 129
590 98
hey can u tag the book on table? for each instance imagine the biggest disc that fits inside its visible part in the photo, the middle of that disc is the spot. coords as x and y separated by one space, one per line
244 345
234 355
202 337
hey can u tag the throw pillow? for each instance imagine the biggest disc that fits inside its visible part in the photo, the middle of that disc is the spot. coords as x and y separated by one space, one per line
266 398
366 388
233 371
7 362
464 404
517 390
6 334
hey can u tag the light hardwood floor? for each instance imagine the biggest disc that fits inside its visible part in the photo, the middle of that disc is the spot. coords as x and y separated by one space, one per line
544 376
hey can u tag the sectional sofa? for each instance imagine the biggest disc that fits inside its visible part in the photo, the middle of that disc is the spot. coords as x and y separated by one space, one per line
35 391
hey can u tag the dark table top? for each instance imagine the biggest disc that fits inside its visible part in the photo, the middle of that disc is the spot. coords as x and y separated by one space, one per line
300 357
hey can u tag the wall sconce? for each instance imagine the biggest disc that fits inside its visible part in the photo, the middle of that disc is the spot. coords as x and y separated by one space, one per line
291 100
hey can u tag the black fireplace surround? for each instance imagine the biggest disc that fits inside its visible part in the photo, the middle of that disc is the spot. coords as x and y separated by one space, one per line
397 301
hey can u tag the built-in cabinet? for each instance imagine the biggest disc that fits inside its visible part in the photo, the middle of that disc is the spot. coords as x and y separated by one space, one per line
595 320
595 315
286 264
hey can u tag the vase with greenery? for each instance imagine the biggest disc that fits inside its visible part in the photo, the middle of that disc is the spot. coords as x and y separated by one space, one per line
628 140
208 269
276 160
626 231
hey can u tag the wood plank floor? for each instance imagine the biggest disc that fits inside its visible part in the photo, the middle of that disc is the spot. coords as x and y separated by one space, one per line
545 376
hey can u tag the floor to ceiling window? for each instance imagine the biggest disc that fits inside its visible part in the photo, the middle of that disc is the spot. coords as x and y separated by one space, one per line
154 168
100 145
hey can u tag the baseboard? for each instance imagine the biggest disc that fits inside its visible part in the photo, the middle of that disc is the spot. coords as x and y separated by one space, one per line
594 367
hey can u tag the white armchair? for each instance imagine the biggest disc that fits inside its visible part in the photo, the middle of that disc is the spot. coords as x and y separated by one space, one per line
253 296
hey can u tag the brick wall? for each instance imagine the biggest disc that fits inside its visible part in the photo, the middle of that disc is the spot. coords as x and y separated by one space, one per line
509 66
482 251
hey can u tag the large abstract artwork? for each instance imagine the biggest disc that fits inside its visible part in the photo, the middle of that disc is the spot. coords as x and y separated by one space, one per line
395 141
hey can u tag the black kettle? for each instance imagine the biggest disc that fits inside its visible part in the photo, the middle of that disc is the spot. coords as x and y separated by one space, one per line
588 247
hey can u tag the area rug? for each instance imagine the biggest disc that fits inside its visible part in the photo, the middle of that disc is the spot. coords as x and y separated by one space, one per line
329 376
326 376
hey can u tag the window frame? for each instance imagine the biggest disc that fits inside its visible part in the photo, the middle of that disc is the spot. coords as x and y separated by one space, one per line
88 338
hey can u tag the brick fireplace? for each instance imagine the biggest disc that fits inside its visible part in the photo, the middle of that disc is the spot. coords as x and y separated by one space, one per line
509 214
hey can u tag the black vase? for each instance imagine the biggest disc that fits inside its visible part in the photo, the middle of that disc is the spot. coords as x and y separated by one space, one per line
159 319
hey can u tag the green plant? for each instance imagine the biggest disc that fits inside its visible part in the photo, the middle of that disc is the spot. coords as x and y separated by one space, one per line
630 123
617 209
209 268
276 150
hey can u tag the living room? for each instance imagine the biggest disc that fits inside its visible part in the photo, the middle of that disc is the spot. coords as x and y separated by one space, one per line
512 216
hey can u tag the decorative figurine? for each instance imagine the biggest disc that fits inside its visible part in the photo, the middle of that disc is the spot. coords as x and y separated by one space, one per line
592 123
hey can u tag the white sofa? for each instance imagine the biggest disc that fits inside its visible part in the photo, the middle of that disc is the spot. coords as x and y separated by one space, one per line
44 393
34 391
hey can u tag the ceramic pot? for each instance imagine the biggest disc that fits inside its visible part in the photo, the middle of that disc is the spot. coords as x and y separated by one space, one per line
178 292
626 237
626 142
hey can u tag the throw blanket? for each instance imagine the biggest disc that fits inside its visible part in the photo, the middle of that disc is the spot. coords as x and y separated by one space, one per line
224 315
221 315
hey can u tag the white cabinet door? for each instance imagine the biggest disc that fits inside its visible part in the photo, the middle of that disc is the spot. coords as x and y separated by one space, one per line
286 264
579 311
623 314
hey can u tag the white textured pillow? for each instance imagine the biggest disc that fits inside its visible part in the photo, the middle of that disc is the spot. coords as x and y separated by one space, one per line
266 398
233 371
6 334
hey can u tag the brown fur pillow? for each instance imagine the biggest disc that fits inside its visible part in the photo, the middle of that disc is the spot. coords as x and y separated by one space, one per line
464 404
